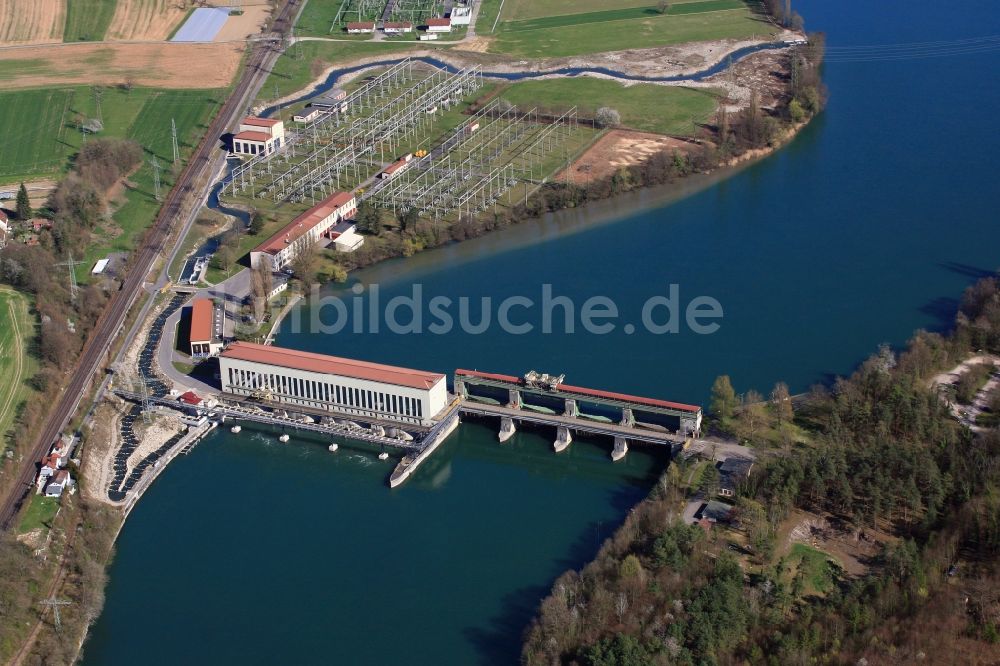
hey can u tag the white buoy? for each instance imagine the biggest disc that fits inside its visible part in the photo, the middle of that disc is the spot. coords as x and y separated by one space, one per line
383 456
283 439
235 429
333 448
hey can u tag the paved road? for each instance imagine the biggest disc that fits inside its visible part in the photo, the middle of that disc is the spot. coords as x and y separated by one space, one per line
196 174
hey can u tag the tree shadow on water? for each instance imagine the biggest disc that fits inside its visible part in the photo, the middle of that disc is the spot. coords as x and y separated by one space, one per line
499 640
943 309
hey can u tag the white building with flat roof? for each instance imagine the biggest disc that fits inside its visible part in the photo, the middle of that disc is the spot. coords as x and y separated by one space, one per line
330 383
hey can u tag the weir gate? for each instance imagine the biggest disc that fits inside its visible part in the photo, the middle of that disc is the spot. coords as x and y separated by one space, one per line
547 400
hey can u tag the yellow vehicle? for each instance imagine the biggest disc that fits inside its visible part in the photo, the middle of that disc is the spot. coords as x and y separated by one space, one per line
420 153
359 191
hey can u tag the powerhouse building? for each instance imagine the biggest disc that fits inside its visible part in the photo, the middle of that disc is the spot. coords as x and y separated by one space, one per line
331 383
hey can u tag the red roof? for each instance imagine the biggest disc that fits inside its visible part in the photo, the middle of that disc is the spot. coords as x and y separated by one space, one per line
190 398
489 375
439 22
51 460
331 365
3 216
363 25
260 122
250 135
202 315
653 402
304 222
566 388
395 166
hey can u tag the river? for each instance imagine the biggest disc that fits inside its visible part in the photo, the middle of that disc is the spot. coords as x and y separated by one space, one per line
866 227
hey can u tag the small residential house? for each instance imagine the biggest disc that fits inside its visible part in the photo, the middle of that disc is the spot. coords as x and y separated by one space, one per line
258 136
60 482
438 25
732 472
715 512
49 466
360 27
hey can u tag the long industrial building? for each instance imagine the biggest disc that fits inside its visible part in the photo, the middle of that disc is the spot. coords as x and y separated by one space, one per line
330 383
307 229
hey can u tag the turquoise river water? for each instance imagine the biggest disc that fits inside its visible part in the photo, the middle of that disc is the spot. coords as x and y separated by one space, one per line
866 227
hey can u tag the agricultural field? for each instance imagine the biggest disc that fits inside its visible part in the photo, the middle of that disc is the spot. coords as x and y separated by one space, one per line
35 22
37 123
17 332
88 20
143 114
166 65
45 124
647 107
146 19
542 29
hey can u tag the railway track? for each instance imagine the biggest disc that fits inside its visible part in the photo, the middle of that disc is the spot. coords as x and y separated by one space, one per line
112 320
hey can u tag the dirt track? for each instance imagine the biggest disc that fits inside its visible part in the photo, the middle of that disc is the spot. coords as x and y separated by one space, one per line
160 65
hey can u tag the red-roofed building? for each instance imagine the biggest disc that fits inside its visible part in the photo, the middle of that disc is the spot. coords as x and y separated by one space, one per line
396 27
206 328
280 250
358 27
438 25
332 383
190 398
258 136
393 169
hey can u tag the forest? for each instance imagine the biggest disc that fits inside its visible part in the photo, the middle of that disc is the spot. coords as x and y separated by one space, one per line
880 454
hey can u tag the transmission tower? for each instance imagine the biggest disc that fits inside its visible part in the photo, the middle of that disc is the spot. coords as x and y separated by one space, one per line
55 604
173 138
144 396
73 287
98 91
156 176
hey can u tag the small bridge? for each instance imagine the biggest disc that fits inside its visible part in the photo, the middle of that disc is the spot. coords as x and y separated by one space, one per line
546 400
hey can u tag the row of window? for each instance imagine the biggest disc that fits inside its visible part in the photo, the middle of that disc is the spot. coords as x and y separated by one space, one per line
322 392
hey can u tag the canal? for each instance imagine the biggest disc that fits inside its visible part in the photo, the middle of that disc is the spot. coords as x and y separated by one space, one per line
866 227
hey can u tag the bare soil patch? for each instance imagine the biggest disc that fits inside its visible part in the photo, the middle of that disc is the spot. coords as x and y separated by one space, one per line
239 27
32 22
617 149
164 65
854 549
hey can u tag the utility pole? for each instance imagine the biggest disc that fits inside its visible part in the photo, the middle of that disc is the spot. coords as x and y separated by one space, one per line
55 604
173 137
73 287
156 176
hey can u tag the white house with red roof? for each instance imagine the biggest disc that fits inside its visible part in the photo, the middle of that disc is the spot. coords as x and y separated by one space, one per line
304 231
331 383
258 136
437 25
